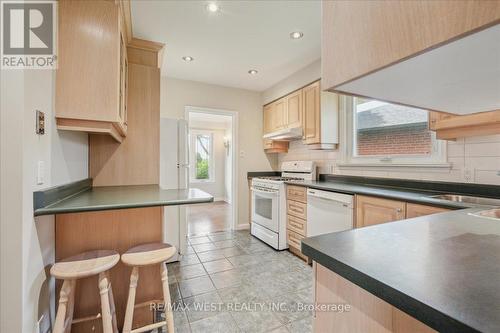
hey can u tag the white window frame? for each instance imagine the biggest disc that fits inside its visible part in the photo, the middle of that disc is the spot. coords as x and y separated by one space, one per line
437 158
211 165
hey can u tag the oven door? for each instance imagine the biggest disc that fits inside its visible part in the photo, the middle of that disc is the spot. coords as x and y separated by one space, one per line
265 208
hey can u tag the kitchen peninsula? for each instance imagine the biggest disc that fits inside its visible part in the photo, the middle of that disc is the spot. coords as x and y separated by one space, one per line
437 272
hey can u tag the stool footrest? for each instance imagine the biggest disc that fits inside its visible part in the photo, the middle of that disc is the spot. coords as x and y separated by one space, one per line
150 327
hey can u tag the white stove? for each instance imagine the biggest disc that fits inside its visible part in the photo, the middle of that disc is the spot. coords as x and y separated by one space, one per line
269 202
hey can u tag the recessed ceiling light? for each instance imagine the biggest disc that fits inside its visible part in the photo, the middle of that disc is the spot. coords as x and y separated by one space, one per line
252 72
187 58
296 35
213 7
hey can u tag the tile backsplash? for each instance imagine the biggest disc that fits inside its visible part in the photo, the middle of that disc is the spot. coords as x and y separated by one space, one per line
475 160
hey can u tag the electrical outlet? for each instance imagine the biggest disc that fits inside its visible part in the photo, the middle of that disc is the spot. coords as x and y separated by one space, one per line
468 175
242 153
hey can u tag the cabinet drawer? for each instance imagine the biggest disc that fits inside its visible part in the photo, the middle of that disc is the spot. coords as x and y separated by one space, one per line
297 209
297 225
297 193
294 239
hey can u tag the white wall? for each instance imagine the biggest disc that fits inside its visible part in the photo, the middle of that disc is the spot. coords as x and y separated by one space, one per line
30 241
176 94
217 187
297 80
480 155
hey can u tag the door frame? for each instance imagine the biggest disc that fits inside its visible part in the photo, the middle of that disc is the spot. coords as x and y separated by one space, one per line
234 151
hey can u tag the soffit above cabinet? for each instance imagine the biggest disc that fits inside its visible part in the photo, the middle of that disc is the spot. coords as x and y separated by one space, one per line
461 77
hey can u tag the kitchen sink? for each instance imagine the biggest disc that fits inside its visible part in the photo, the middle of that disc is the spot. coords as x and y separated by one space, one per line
468 199
490 213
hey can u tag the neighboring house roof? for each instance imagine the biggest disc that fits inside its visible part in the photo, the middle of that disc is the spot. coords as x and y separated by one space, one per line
387 115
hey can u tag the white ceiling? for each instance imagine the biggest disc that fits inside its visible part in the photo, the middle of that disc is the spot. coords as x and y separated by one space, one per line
243 35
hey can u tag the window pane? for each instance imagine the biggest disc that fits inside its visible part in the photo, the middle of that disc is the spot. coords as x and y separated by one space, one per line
202 156
387 129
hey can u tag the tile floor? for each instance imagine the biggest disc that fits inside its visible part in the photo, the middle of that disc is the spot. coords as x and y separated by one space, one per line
233 282
210 217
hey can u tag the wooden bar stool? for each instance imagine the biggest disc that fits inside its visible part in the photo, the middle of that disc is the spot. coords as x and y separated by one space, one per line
145 255
77 267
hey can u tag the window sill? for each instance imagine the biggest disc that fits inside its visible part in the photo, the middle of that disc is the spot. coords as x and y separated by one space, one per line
444 166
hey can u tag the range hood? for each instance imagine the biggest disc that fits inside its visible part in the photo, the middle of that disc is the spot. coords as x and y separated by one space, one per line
285 134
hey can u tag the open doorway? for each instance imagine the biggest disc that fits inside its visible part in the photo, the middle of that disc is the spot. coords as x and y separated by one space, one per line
212 148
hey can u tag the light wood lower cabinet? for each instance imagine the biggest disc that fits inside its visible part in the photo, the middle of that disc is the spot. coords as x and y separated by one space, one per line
296 225
296 193
416 210
297 209
367 313
373 210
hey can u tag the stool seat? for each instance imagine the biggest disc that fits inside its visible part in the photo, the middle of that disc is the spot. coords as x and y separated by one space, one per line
148 254
85 264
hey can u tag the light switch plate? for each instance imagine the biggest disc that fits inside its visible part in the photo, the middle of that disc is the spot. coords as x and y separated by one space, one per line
40 173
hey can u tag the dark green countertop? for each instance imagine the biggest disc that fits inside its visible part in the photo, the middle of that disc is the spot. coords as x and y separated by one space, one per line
121 197
443 269
398 193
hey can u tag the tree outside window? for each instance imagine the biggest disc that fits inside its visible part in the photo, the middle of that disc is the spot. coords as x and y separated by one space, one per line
201 156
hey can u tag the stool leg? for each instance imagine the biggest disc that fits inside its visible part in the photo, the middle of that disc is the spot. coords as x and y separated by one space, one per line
65 309
166 298
129 312
112 306
107 320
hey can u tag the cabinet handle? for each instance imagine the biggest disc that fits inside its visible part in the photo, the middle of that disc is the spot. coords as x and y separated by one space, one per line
399 210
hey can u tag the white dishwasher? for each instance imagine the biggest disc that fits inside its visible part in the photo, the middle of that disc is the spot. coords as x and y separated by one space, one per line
328 212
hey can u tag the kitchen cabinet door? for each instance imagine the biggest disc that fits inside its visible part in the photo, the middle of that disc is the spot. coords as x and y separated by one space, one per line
450 127
311 97
90 78
416 210
375 48
294 109
279 115
267 118
372 210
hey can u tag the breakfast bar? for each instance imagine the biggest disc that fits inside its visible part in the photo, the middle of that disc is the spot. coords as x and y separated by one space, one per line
114 218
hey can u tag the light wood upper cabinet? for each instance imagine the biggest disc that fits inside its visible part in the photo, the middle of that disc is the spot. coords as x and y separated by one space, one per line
268 117
312 123
450 127
311 111
294 109
373 210
91 79
279 115
273 146
321 110
384 49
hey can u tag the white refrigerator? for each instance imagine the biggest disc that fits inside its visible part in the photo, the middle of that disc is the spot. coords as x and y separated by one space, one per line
174 174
